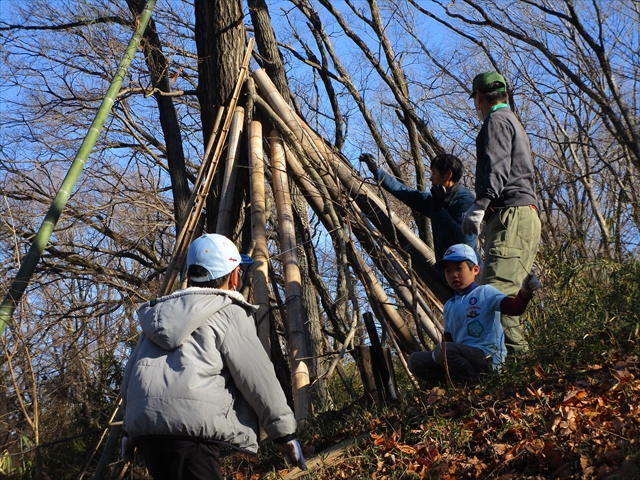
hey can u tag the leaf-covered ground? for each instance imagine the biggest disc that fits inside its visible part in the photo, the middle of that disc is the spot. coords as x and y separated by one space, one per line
584 425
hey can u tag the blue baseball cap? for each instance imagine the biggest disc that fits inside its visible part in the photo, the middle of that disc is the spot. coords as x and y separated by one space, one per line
458 253
216 254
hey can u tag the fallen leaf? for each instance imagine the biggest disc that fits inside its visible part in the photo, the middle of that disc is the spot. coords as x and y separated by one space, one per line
500 448
406 449
377 439
553 422
618 425
509 455
551 452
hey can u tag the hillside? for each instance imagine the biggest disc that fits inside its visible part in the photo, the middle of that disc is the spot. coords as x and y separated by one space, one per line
583 425
569 408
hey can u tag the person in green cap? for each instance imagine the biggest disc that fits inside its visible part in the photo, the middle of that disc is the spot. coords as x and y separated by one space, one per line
505 197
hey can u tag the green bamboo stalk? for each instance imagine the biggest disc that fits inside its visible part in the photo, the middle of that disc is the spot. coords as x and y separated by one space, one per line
19 285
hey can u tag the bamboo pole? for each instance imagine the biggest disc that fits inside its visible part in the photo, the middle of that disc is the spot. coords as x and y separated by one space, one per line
315 201
422 313
259 233
404 275
404 286
313 196
30 261
423 258
313 152
296 316
320 182
227 191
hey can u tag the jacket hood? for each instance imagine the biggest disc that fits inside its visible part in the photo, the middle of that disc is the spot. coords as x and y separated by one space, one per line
168 321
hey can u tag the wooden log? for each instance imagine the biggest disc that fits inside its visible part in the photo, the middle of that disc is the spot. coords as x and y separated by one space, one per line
362 354
259 233
223 226
296 316
382 368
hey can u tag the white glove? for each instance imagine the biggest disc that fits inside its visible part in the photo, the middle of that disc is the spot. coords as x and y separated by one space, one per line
128 446
292 452
472 220
530 284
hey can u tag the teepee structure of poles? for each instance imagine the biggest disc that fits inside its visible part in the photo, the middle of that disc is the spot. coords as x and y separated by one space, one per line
360 221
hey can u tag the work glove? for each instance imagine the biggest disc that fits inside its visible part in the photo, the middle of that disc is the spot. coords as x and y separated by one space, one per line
530 284
128 447
368 159
472 220
292 452
438 192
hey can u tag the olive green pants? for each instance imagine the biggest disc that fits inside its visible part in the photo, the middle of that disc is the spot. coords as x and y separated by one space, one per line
511 239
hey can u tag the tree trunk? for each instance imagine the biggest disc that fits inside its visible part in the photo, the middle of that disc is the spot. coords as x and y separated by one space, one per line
226 208
268 46
220 40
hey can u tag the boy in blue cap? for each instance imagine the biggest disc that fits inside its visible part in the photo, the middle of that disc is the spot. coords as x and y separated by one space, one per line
199 377
473 340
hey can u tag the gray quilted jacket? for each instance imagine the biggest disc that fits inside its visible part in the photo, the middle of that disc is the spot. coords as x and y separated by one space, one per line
199 370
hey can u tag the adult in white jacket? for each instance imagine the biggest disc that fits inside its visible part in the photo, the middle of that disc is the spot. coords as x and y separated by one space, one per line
199 376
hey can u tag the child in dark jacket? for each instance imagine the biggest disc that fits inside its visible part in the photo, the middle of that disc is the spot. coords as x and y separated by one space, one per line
473 340
445 203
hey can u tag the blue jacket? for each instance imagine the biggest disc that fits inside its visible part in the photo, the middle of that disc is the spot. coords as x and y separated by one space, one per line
445 222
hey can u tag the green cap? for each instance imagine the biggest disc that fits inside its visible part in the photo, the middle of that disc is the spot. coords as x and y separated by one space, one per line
483 83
